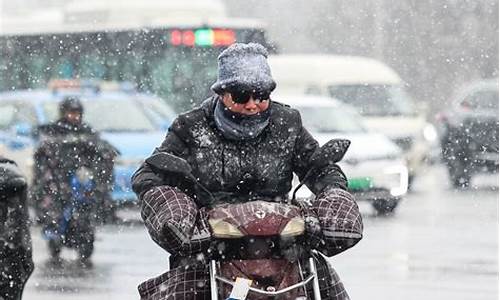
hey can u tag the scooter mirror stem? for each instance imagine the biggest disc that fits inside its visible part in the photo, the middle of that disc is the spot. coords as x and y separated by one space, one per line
301 183
167 162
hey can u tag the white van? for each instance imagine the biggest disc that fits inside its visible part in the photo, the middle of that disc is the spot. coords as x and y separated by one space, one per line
367 84
375 168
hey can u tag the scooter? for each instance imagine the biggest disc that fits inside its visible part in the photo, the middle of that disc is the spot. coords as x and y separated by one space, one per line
258 249
75 228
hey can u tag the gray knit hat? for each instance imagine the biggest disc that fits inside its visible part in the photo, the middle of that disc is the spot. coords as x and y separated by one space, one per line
244 66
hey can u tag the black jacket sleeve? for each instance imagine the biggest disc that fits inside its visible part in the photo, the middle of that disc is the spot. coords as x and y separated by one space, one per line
147 176
15 239
318 180
11 179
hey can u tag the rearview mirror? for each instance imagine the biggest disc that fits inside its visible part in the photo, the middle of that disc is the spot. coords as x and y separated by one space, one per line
167 162
170 163
331 152
328 154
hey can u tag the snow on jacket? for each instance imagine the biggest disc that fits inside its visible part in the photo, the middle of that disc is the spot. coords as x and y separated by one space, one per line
252 169
245 170
16 263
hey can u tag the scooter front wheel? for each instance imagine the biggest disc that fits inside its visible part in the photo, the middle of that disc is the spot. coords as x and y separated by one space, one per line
54 248
86 249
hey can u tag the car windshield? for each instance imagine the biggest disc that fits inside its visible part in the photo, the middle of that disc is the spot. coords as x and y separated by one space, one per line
7 115
483 100
14 112
375 100
330 119
110 115
159 112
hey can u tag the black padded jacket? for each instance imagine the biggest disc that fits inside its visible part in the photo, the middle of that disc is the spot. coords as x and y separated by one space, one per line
259 168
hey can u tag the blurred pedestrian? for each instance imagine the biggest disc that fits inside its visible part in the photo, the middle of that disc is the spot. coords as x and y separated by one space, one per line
74 171
16 263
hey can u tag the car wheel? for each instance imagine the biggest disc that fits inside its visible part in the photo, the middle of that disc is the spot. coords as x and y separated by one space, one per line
411 180
460 179
54 248
460 176
385 206
458 164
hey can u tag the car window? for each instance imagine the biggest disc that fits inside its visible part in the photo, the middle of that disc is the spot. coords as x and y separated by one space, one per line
7 114
487 99
12 113
313 90
328 119
109 115
375 100
159 111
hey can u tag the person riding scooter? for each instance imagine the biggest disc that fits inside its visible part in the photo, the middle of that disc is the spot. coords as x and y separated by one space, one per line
74 170
241 147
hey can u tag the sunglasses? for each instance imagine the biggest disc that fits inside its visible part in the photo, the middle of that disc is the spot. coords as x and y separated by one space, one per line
242 96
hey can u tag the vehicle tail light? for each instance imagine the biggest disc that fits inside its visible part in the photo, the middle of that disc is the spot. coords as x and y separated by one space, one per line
441 117
465 105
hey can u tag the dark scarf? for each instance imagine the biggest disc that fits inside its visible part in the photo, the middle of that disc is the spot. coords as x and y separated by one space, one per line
71 127
239 127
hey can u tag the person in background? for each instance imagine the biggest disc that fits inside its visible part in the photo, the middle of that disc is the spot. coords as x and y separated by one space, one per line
70 120
69 149
16 263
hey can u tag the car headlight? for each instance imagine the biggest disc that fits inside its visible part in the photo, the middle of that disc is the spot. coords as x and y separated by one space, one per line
394 178
294 227
402 187
223 229
430 133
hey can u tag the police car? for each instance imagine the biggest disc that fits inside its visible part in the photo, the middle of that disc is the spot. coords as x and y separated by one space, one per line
133 122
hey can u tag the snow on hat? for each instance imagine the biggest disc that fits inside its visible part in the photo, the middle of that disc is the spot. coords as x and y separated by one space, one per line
244 66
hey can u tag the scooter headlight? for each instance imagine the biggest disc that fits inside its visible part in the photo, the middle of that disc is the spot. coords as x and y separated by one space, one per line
294 227
223 229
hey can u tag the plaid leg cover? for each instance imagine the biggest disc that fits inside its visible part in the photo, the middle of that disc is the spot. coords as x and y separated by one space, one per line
176 224
174 221
337 215
192 283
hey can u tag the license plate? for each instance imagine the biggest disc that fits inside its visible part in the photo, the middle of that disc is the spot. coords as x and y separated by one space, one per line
360 183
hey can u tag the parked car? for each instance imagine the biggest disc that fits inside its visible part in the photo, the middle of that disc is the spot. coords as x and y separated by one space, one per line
374 89
469 132
375 166
133 122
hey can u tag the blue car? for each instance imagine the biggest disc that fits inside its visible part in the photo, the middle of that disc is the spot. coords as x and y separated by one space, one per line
133 122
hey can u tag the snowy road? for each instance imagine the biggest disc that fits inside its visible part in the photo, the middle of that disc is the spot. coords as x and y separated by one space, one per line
440 244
